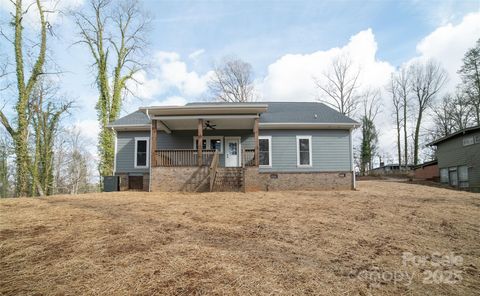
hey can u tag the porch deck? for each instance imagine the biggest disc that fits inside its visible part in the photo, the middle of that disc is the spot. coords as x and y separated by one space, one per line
191 157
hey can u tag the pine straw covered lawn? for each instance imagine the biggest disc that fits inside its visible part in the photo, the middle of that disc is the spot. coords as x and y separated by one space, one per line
288 243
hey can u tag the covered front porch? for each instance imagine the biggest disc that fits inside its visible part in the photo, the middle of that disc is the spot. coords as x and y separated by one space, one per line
195 148
186 137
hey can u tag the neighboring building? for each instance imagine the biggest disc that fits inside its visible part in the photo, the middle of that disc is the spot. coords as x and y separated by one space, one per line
427 171
458 157
390 169
235 146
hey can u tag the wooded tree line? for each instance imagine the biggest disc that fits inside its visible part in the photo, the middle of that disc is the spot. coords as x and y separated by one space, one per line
415 91
46 155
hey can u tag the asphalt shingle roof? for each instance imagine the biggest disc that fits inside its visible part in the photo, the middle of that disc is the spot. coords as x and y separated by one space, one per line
137 117
278 112
304 112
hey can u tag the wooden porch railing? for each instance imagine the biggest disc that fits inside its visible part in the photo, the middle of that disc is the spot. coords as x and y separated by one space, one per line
213 170
183 157
248 157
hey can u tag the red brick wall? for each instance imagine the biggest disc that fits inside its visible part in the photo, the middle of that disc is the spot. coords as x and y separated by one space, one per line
430 172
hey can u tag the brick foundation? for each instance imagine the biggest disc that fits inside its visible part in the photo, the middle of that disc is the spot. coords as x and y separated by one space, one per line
172 179
259 181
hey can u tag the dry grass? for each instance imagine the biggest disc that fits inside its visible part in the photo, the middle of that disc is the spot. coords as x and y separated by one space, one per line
289 243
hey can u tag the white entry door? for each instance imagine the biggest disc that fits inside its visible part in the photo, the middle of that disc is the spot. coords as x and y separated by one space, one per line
232 150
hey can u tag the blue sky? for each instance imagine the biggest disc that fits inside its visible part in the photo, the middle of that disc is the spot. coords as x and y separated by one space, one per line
262 31
287 43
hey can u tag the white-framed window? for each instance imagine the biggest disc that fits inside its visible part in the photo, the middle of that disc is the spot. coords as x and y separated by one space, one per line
304 151
477 139
210 142
467 141
265 151
142 157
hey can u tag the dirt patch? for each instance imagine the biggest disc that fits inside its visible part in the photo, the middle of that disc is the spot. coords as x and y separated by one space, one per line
288 243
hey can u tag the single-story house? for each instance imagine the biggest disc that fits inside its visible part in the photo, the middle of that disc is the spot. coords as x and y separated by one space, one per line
235 146
458 157
427 171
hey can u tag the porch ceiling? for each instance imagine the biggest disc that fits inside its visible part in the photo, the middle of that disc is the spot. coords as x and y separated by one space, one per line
219 122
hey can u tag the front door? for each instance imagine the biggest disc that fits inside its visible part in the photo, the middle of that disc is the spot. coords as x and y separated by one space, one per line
232 156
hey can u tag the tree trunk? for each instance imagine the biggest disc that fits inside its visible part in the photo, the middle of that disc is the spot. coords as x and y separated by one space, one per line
405 136
399 144
417 136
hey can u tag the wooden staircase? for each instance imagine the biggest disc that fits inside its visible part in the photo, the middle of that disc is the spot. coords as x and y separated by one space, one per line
215 178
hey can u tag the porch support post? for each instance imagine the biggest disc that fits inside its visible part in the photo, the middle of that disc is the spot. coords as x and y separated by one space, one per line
200 141
255 133
153 144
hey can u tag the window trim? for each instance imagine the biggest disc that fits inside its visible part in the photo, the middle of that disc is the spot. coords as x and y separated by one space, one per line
136 152
269 138
309 138
207 139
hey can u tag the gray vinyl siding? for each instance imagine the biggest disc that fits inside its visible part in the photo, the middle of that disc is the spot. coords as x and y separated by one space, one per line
452 153
184 139
125 157
330 150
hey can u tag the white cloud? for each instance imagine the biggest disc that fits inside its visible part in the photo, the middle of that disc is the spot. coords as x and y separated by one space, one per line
89 129
448 44
194 55
291 76
169 74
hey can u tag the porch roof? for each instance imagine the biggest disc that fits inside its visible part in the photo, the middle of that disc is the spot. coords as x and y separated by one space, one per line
200 109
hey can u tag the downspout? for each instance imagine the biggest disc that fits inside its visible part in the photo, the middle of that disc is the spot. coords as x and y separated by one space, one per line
150 158
354 181
115 152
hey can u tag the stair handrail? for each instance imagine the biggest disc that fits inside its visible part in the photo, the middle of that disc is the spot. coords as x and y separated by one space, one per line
213 169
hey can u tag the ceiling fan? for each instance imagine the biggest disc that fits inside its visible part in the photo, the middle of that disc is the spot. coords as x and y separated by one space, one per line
209 125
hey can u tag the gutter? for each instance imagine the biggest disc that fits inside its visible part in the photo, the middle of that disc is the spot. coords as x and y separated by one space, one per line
129 126
310 125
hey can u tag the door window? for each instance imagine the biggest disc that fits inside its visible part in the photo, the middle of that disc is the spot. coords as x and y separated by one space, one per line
233 148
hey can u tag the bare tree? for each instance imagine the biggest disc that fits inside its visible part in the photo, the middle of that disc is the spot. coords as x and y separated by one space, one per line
470 73
426 81
113 32
26 79
46 108
461 111
339 86
393 88
232 81
443 124
73 173
4 165
369 145
402 82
